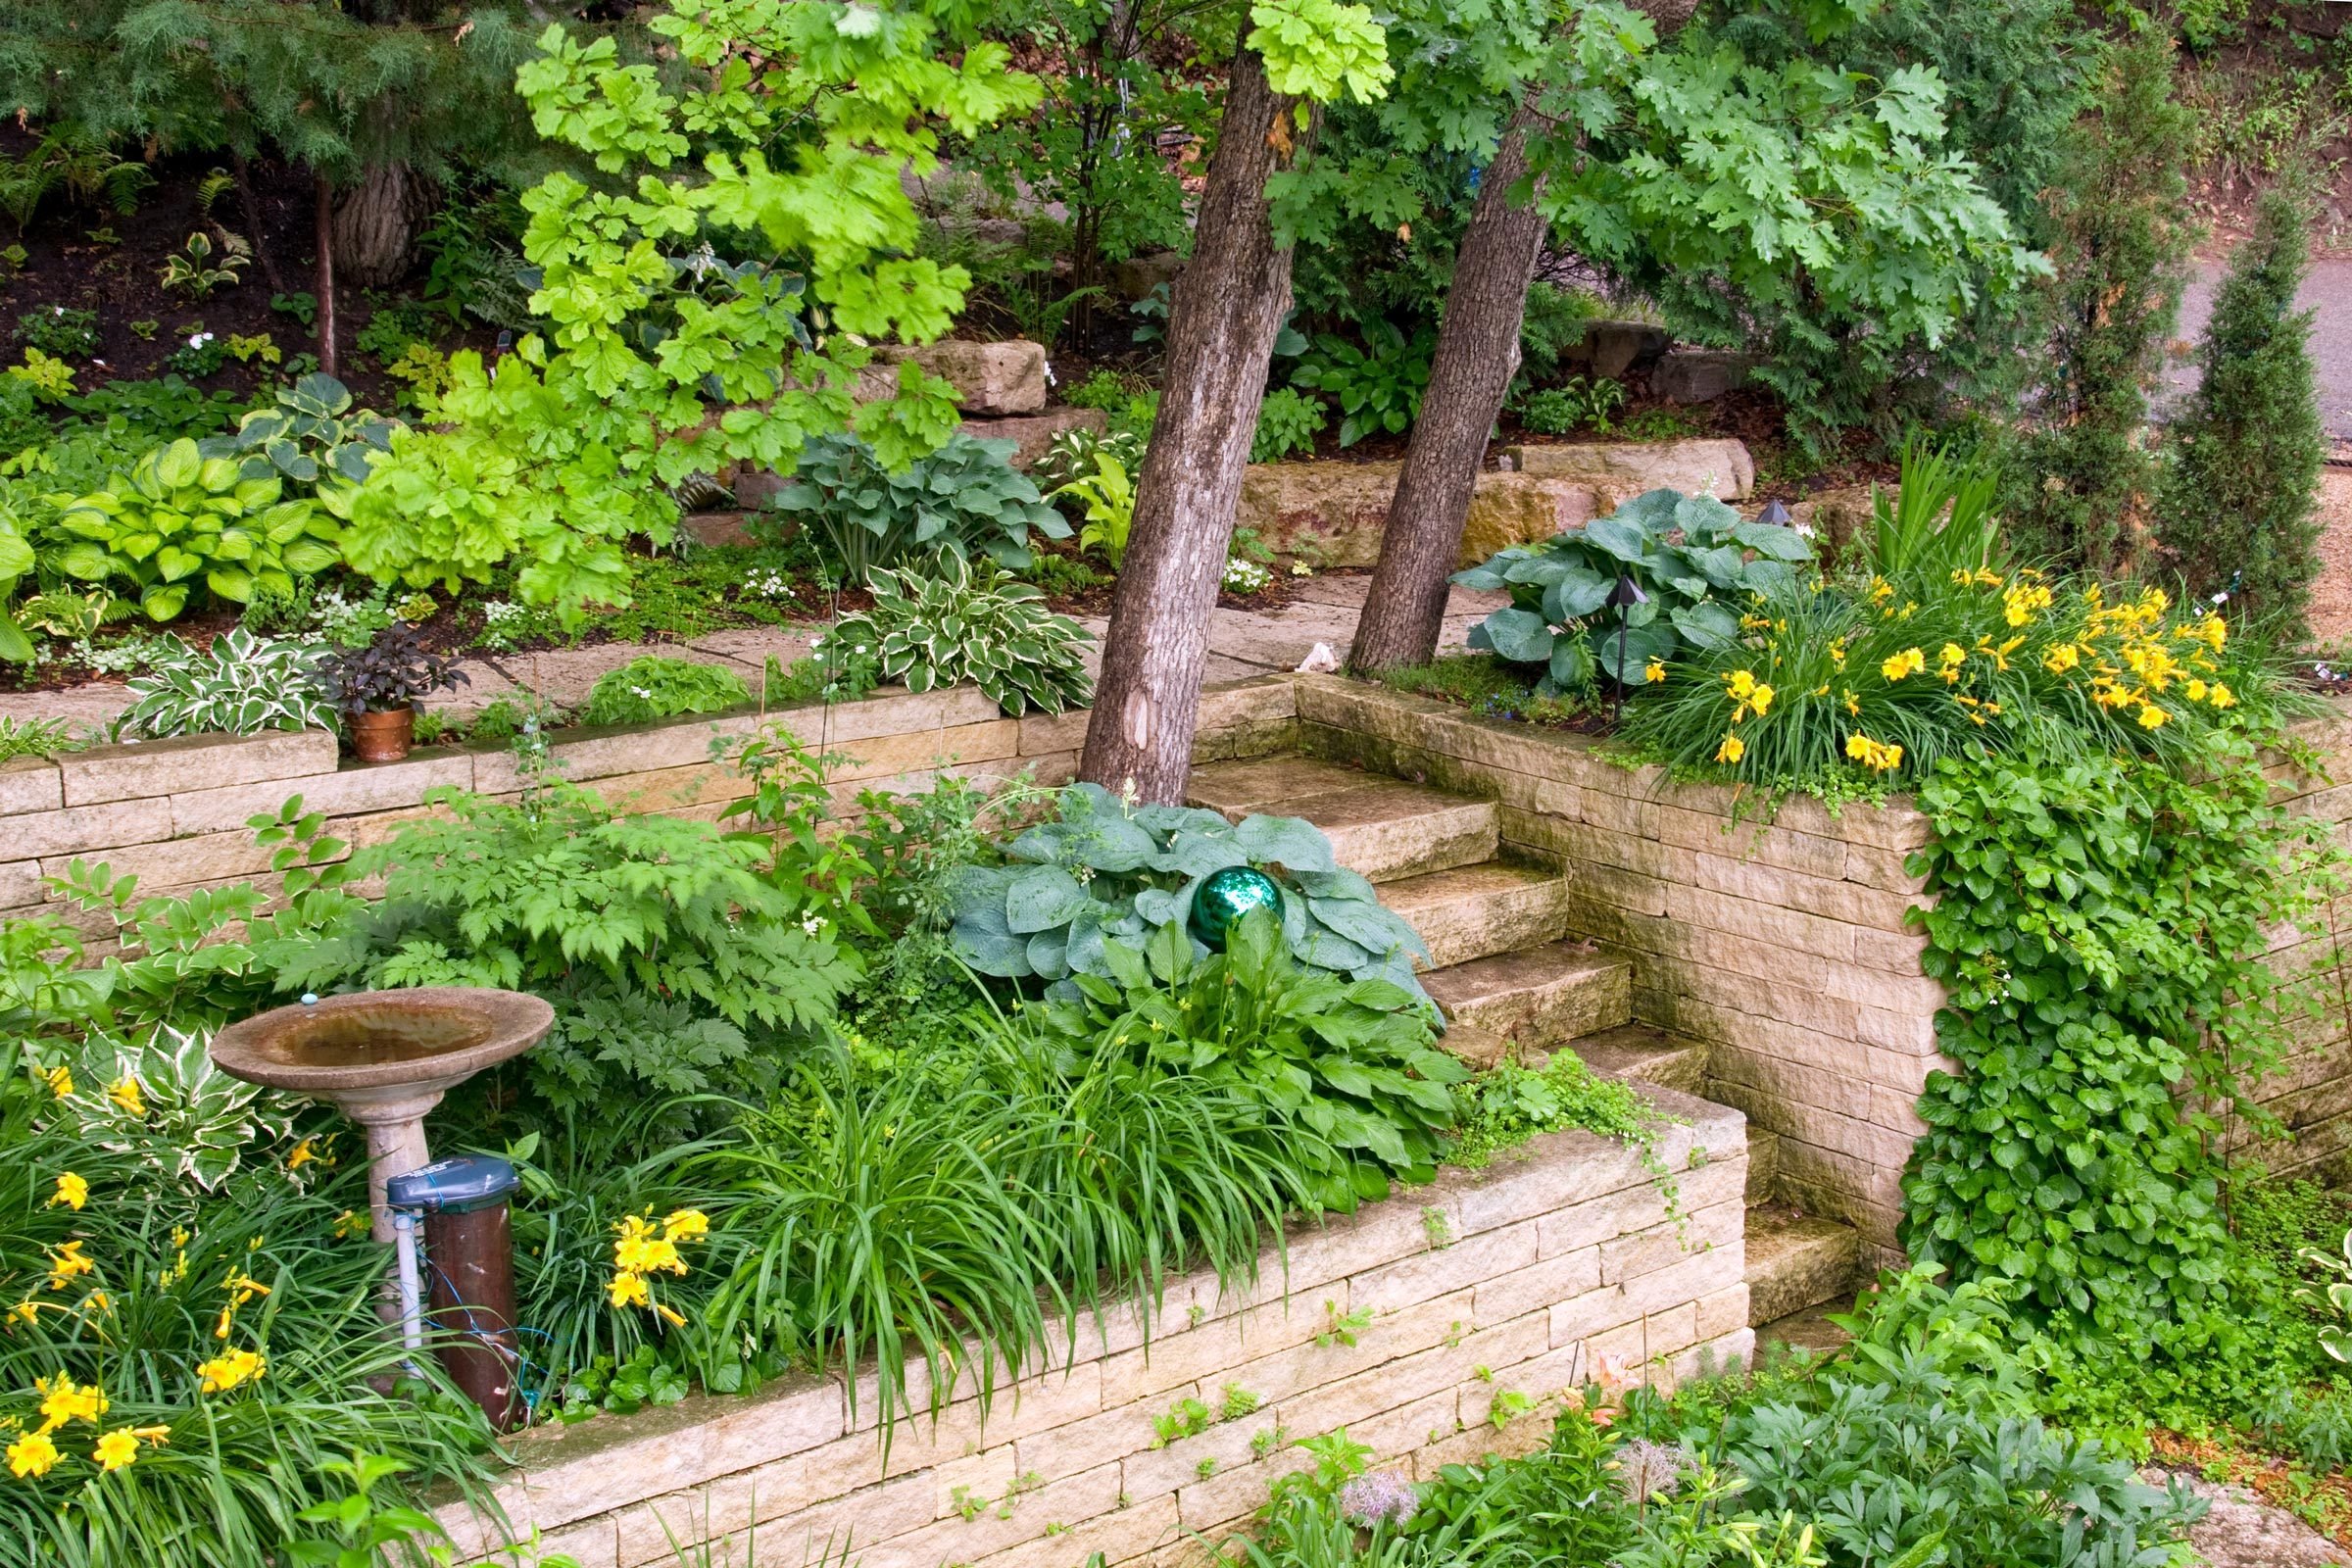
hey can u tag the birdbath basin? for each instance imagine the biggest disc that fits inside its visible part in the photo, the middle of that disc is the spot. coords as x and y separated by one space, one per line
384 1058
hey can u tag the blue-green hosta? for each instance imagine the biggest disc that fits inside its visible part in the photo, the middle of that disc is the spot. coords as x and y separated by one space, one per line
178 518
1693 559
1101 872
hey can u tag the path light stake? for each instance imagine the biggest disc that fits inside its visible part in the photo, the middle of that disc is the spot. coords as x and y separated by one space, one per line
1627 594
1776 514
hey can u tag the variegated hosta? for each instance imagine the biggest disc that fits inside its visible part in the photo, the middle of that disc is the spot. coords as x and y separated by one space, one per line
1103 872
166 1102
242 685
939 626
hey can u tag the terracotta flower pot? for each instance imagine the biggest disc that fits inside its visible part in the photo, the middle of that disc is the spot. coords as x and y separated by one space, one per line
383 737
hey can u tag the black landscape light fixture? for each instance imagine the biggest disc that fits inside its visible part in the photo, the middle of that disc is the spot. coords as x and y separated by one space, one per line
1627 594
1776 514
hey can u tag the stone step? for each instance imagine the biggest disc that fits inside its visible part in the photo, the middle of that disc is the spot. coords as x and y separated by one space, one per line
1536 999
1763 1164
1475 911
1383 827
1797 1260
1639 1054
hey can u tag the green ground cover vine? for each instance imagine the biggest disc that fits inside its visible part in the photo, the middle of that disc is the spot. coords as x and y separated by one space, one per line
2101 925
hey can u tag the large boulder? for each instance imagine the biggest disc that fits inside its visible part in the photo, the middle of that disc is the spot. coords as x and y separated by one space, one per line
1618 470
1335 510
1613 348
1699 376
990 379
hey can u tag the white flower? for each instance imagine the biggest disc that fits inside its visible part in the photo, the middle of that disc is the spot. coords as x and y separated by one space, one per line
2222 598
641 692
813 924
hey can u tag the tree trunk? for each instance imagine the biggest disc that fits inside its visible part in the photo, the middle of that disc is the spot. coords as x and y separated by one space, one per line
253 220
1477 355
1222 321
378 221
326 204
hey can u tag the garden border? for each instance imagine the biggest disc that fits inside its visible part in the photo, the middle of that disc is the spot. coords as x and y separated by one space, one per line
1555 1264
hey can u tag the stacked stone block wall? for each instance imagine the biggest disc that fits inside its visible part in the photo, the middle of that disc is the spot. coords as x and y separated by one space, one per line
1778 945
174 812
1564 1262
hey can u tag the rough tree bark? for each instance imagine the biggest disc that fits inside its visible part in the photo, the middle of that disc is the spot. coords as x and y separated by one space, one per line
1477 355
378 221
1222 321
324 195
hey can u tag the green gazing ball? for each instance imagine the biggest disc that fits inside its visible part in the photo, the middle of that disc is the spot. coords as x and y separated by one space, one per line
1224 897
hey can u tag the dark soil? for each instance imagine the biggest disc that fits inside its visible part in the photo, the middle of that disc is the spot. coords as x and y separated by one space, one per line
71 262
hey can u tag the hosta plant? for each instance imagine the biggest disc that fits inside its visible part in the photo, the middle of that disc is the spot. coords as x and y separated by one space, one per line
1378 386
940 627
165 1105
179 517
1691 559
242 685
1097 871
1107 496
966 499
313 430
1354 1063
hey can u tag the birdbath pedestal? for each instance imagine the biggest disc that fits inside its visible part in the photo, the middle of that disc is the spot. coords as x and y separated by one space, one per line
384 1058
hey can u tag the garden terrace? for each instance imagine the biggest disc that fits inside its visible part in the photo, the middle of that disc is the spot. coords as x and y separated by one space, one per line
1431 1326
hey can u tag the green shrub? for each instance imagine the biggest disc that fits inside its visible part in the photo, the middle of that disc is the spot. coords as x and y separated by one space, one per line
1378 385
654 686
176 513
967 500
2241 497
1556 411
942 628
1560 618
313 430
242 685
1106 389
674 956
1288 422
1097 871
1553 325
1352 1064
2082 476
61 332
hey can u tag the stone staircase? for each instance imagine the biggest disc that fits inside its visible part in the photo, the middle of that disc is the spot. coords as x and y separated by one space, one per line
1512 981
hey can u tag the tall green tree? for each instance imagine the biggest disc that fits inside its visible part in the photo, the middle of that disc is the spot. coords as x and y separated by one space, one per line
2083 478
1740 183
713 288
2241 506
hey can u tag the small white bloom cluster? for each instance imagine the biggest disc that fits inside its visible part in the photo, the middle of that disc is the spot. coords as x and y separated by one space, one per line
769 584
199 340
503 622
1245 576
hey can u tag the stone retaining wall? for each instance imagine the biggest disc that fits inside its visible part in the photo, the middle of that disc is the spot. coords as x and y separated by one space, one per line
174 812
1782 947
1551 1267
1779 946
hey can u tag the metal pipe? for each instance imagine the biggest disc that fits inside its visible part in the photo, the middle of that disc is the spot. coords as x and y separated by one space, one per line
404 1269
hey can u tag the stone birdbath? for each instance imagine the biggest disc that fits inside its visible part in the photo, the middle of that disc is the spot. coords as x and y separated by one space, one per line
384 1058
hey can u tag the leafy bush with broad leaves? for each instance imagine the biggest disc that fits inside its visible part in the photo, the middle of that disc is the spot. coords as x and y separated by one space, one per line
1560 616
178 514
966 499
188 1121
1288 422
1099 872
313 432
16 562
674 955
242 685
943 627
656 687
1923 1448
1378 386
1355 1063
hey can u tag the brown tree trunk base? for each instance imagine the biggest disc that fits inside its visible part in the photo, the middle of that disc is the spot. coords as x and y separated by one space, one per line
323 194
376 225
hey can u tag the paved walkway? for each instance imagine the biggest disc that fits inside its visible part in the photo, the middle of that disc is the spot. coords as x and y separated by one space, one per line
1240 643
2327 290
